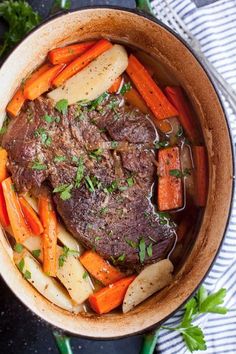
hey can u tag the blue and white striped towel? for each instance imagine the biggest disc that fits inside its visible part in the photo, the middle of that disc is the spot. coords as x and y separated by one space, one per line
214 26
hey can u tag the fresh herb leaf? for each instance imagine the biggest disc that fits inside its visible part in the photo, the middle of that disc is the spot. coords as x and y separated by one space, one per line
21 265
132 244
149 250
97 238
89 184
96 154
104 210
80 171
20 18
62 106
95 104
142 250
5 123
114 144
180 132
121 258
194 338
85 275
36 253
175 173
38 166
125 88
211 303
75 159
59 159
48 119
161 144
45 139
64 190
113 186
18 247
27 274
66 252
130 181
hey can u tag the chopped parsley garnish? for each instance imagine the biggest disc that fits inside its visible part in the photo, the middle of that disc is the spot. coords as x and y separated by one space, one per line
97 238
96 154
59 159
179 174
62 106
126 87
18 247
132 244
48 119
79 172
65 254
36 253
104 210
114 144
89 184
113 104
130 181
64 190
75 159
38 166
27 274
121 258
142 250
4 126
21 265
161 144
96 103
113 186
149 250
85 275
164 217
41 132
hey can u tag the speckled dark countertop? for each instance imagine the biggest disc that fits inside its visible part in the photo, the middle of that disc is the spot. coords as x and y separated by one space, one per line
22 332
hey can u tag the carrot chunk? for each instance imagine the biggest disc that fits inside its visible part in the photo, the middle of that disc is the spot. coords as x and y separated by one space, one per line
43 83
169 184
133 97
148 89
19 227
99 268
66 54
79 63
3 164
4 219
49 221
31 217
176 96
111 296
116 85
16 103
200 175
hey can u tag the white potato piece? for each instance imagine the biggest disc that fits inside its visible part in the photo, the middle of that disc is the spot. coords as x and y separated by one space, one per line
47 286
33 202
68 240
151 279
95 78
34 243
74 278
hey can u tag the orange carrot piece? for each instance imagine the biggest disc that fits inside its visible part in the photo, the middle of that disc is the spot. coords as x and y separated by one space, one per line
200 175
3 164
169 187
31 217
176 96
99 268
16 103
4 219
111 296
79 63
49 221
43 83
66 54
151 93
133 97
19 227
116 85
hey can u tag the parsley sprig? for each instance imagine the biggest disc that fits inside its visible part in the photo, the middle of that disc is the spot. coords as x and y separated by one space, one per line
201 303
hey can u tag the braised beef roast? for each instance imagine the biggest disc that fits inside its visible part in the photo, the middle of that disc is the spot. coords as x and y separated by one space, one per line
98 159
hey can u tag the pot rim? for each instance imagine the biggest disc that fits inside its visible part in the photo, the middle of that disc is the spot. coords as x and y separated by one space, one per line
152 18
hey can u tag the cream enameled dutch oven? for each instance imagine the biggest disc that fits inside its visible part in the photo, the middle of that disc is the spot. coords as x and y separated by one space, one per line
146 33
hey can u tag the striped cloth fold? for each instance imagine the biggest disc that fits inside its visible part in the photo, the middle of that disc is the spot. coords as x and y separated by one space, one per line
214 26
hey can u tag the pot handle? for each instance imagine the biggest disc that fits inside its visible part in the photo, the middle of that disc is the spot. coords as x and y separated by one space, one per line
143 5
